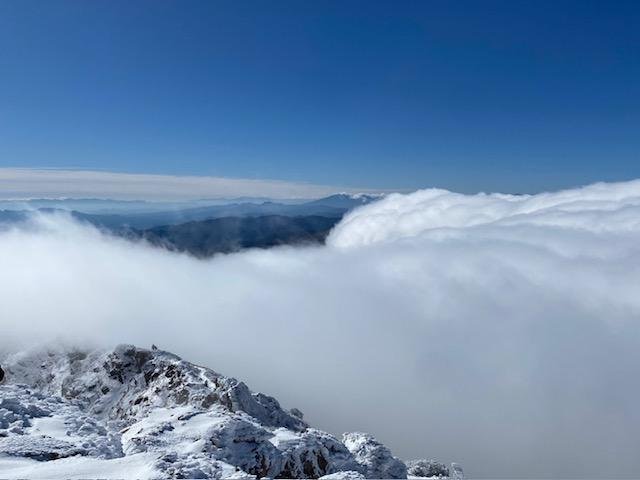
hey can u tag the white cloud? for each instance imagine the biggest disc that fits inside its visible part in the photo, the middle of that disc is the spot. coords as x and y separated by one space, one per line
594 208
19 183
498 331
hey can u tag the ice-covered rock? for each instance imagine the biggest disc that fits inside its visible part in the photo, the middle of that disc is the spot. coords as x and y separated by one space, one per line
42 427
348 475
128 382
312 454
456 471
172 418
209 439
376 459
427 468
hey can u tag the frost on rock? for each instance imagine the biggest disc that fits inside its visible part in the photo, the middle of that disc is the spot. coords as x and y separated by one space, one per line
348 475
456 471
204 442
38 447
128 382
40 427
427 468
376 459
311 454
182 420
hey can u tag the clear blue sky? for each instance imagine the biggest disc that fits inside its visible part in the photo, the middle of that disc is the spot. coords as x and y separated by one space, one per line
512 96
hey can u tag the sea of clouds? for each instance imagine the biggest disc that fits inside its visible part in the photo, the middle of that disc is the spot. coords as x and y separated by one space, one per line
499 331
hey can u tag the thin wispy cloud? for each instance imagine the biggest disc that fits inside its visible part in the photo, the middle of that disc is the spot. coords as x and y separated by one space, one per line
21 183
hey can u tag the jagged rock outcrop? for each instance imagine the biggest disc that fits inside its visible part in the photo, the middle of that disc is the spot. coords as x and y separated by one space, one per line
128 382
311 454
376 459
183 420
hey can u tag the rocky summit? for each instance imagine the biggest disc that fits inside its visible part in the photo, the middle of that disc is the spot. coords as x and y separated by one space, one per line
137 413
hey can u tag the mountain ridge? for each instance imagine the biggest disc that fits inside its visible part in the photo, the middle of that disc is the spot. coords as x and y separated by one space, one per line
168 417
334 206
230 234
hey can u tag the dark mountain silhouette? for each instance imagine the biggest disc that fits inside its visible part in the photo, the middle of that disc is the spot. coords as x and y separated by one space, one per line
204 231
230 234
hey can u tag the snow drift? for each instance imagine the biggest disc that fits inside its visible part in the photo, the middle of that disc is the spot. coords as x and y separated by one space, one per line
497 330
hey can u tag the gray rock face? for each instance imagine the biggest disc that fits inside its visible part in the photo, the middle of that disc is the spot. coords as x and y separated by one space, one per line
190 421
376 459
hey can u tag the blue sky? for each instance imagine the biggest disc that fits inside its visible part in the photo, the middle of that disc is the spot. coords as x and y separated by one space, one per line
510 96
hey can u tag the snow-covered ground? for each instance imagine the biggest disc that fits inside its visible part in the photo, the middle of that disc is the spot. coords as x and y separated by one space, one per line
136 413
140 466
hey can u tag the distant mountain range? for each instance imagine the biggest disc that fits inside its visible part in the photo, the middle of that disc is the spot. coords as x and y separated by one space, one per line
230 234
109 207
210 229
97 206
154 219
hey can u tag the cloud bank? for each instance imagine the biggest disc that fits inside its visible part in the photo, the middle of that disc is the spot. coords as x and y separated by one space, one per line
498 331
17 183
602 207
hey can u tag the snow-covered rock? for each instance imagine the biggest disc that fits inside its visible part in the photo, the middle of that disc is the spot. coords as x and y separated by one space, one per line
42 427
376 459
456 471
163 416
312 454
348 475
127 383
427 468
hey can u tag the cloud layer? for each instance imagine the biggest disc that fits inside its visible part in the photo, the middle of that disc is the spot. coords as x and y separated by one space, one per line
602 207
498 331
17 183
